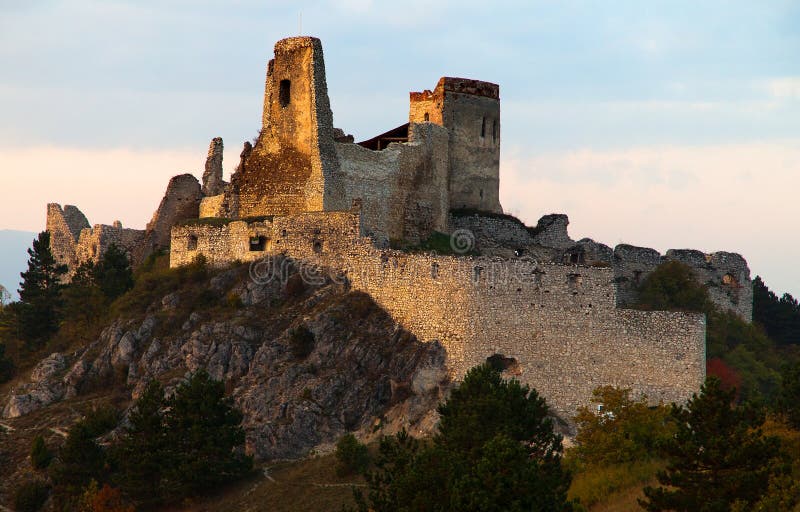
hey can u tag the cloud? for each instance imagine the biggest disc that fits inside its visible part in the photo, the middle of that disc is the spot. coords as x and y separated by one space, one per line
107 185
736 197
784 88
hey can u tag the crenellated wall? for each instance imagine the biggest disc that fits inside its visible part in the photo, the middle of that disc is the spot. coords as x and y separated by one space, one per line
559 323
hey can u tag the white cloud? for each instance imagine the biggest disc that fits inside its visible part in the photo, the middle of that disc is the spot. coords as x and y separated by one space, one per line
784 88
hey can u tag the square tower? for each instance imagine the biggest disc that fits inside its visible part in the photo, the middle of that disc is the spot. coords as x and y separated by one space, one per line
470 111
293 166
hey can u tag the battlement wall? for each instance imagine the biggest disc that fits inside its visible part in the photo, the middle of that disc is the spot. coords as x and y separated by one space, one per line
559 324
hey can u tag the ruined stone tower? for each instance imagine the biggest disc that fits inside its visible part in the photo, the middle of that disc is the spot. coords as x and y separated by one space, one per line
470 110
293 166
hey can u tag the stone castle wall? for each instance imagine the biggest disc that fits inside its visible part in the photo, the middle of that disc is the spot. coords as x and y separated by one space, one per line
293 166
73 242
403 188
559 323
470 110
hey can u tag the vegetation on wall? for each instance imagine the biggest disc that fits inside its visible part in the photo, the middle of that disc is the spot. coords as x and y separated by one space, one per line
741 354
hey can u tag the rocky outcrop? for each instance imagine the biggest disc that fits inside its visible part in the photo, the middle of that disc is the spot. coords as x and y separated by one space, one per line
181 202
44 387
363 365
212 177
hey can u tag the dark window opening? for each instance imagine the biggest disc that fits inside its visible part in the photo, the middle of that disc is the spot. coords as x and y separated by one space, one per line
191 245
317 246
258 243
483 127
434 270
637 276
283 233
494 131
284 96
427 117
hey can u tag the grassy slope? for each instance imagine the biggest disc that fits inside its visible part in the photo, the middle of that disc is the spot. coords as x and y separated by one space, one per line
309 484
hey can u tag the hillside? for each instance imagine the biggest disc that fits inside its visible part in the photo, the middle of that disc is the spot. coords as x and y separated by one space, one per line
13 245
304 363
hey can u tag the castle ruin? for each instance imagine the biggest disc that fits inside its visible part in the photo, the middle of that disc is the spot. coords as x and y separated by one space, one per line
551 309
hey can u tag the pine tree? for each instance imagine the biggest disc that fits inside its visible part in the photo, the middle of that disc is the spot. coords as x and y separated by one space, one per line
40 293
203 433
142 455
718 457
495 451
79 461
113 273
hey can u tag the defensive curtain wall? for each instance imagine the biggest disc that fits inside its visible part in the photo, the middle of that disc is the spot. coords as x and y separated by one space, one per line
557 326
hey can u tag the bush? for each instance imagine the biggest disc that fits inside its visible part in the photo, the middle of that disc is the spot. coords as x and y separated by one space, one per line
6 365
40 454
352 456
625 430
30 496
101 420
301 342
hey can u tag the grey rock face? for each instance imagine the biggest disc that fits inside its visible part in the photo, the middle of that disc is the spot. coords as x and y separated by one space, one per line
363 364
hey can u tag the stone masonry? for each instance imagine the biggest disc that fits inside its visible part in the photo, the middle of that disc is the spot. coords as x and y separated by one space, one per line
551 306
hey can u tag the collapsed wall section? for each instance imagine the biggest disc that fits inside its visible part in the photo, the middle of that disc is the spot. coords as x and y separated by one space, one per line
402 188
558 323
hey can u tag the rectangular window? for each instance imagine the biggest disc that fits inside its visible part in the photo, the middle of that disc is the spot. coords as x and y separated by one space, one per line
483 127
284 95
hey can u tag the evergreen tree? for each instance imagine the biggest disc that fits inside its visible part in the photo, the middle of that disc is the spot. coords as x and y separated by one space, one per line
719 456
780 317
142 455
40 293
495 450
113 273
203 432
6 365
80 460
182 446
40 454
789 399
83 305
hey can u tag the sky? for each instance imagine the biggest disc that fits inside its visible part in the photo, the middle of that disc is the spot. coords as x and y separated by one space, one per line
667 124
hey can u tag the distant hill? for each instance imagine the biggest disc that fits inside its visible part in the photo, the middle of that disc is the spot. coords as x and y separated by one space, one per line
13 257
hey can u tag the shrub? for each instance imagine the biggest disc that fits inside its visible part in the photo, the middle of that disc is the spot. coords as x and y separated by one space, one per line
6 365
40 454
103 499
30 496
101 420
625 430
301 342
352 456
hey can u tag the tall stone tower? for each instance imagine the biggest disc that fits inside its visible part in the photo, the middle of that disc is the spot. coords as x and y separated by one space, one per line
293 166
470 110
